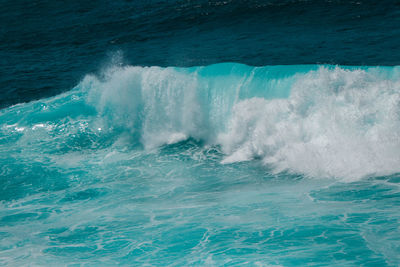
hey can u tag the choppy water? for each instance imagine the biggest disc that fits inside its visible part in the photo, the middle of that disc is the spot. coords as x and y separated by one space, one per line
205 165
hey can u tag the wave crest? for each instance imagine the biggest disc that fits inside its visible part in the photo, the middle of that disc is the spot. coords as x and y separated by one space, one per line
335 123
321 121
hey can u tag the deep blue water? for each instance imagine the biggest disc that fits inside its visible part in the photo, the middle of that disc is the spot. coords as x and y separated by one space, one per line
199 133
47 47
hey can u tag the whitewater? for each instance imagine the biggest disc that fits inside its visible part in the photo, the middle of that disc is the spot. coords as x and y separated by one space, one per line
222 164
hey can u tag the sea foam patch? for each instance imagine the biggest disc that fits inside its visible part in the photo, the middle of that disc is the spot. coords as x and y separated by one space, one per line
335 123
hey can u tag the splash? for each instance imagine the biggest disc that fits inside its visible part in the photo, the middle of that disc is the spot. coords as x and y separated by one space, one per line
319 121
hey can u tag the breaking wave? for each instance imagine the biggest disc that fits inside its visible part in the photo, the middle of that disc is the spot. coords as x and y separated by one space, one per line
319 121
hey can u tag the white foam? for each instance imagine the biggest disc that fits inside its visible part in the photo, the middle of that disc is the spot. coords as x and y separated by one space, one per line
161 104
336 123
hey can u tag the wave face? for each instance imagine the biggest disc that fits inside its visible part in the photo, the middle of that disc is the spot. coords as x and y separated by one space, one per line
320 121
205 166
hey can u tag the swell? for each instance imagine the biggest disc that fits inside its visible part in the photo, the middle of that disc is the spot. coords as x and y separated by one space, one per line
320 121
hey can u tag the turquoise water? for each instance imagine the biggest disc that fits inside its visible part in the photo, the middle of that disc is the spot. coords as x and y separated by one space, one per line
219 165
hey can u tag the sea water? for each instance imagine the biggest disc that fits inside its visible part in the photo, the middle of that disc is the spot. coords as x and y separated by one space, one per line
199 133
222 164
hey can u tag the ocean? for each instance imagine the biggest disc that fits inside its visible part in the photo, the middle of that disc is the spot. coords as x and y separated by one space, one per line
199 133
